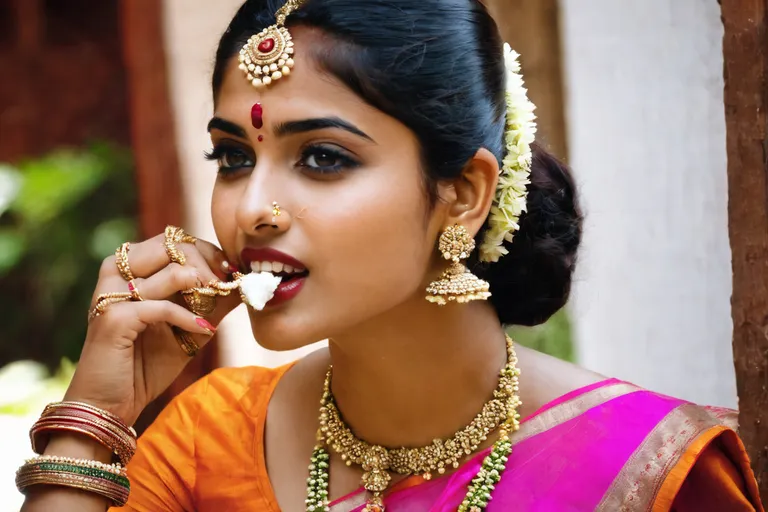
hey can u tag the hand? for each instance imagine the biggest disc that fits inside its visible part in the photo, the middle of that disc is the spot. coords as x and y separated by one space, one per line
131 355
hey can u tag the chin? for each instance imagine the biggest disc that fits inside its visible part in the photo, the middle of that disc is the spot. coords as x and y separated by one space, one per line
281 332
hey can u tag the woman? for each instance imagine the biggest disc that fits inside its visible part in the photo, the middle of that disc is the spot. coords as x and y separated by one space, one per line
361 169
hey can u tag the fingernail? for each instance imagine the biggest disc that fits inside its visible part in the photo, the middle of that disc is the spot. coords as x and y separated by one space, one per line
205 324
228 268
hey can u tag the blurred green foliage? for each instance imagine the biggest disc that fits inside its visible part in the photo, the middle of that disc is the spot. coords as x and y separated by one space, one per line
553 337
60 215
26 387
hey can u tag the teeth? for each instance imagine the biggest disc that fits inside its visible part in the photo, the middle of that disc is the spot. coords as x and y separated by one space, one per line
273 267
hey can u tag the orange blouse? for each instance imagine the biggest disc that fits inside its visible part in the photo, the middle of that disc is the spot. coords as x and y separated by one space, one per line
205 452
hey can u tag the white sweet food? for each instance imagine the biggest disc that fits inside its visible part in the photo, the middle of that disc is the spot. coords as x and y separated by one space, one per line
257 288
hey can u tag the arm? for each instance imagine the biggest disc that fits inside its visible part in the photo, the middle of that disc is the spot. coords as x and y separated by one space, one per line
129 357
44 499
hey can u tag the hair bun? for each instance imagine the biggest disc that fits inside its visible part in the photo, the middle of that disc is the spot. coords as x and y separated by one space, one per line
533 281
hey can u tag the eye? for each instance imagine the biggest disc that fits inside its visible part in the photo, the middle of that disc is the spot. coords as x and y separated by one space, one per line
325 159
230 158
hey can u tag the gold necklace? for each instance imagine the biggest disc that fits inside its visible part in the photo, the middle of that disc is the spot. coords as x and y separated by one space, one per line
442 454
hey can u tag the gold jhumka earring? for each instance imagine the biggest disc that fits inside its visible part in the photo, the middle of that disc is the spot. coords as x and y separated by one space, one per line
457 283
268 55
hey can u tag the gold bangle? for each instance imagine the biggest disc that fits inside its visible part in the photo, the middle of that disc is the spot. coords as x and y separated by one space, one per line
101 413
121 260
109 481
113 492
121 445
106 429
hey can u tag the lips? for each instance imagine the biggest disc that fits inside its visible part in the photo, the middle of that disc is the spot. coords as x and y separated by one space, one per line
293 272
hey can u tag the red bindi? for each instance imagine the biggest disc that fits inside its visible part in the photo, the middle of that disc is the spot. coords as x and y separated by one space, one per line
261 138
257 116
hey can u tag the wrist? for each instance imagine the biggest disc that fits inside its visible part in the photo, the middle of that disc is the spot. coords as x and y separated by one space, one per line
66 444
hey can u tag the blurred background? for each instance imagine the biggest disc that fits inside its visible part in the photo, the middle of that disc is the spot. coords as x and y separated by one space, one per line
103 109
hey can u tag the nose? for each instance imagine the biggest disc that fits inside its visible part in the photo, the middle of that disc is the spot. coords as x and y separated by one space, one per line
262 215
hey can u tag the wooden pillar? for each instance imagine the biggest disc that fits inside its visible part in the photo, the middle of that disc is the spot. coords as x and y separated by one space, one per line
532 28
745 47
29 26
152 128
153 134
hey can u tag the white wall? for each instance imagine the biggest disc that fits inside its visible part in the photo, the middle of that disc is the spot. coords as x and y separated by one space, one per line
646 132
192 31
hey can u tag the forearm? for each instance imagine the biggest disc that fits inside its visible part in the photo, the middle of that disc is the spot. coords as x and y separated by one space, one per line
44 498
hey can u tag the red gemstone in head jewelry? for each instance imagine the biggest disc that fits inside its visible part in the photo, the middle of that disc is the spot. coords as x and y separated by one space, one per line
257 116
268 55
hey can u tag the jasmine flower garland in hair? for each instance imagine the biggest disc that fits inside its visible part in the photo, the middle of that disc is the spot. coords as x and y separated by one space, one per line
511 192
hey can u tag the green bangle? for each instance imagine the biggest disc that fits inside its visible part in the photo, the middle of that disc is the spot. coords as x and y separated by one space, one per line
92 472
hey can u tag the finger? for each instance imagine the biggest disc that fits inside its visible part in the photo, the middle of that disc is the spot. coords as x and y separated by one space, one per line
196 260
216 259
137 316
176 278
168 281
149 257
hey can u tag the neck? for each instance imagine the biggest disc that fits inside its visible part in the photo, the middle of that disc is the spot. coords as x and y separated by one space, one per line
417 373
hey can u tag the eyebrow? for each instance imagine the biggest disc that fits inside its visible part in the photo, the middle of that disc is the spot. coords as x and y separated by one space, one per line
319 123
292 127
218 123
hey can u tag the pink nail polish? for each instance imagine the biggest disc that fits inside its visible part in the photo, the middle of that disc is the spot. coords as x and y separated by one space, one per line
205 324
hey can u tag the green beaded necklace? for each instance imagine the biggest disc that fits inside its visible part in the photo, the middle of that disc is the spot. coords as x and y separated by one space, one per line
479 490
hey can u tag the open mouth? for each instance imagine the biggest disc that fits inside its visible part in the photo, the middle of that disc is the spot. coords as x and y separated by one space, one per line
291 272
286 273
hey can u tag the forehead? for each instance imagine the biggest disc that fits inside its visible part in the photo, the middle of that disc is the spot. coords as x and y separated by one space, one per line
307 92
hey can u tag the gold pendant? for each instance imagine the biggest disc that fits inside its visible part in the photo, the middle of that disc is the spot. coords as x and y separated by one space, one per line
375 504
267 56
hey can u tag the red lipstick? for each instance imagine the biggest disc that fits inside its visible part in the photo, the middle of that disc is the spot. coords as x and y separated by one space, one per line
291 284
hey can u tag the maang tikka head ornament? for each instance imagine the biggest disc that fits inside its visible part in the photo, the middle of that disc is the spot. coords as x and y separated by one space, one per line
268 55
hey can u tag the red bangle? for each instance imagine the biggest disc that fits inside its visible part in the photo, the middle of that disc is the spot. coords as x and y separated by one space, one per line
102 426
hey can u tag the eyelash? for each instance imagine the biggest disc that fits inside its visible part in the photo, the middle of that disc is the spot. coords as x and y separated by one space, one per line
344 161
222 152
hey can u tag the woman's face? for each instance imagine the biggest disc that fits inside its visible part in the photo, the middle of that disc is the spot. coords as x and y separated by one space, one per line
348 181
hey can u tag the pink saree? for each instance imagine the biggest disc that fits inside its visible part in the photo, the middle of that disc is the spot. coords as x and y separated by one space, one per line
608 447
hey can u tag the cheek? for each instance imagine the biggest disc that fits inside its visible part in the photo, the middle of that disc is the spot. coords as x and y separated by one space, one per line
377 237
223 213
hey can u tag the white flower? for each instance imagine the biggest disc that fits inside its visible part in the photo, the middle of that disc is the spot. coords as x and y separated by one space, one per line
258 288
511 192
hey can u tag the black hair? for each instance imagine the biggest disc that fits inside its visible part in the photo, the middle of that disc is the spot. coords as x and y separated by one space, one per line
437 66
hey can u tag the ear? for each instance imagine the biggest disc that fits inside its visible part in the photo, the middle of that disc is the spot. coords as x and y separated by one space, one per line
470 196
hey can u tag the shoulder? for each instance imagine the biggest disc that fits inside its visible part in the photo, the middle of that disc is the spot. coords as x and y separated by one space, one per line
545 379
227 388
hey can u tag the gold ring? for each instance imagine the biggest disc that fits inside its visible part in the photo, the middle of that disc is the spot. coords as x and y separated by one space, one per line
201 301
173 236
105 300
134 291
121 259
185 341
